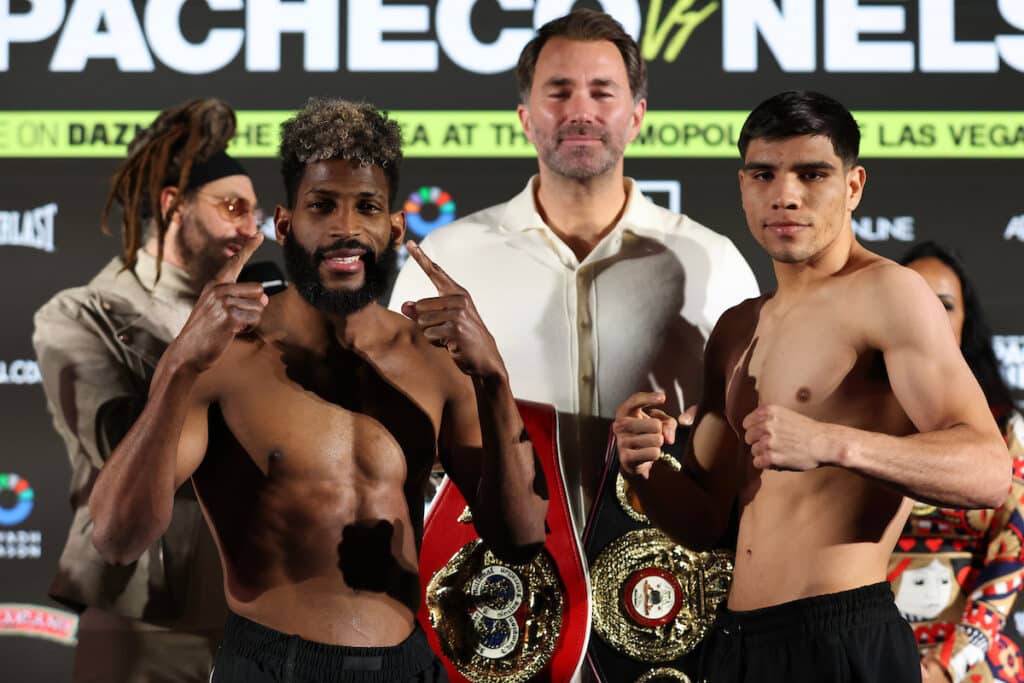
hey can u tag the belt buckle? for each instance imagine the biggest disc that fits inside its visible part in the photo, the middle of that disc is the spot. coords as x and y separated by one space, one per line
654 600
496 621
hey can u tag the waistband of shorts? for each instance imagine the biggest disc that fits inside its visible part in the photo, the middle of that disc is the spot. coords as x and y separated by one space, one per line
864 606
313 660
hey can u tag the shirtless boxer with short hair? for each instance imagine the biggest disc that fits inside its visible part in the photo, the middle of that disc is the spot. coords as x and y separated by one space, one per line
309 423
826 403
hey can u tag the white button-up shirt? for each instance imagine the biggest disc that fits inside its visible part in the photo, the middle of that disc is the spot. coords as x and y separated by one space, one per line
584 335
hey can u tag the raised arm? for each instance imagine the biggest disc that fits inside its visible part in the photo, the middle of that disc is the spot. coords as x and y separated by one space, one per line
693 505
133 497
956 460
483 445
412 284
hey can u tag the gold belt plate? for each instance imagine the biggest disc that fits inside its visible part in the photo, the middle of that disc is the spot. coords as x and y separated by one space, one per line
654 600
496 621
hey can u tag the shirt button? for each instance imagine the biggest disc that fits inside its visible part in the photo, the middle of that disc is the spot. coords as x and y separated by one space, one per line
585 323
586 378
106 305
125 338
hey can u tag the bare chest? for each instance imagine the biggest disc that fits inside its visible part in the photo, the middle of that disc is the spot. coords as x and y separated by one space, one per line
808 359
343 419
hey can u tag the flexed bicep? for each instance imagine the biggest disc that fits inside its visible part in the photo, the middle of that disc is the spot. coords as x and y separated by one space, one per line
958 458
926 369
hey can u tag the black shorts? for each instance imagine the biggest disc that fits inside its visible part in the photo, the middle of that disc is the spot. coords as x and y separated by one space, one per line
253 653
857 635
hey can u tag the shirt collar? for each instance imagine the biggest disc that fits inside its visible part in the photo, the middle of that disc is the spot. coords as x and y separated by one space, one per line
173 282
521 212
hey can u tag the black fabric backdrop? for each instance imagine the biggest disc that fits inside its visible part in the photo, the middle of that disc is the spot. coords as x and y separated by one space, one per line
910 58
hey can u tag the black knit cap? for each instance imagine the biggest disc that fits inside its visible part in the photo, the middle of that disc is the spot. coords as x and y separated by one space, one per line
218 166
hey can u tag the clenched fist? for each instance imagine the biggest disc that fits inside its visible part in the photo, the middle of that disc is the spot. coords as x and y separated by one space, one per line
225 308
640 432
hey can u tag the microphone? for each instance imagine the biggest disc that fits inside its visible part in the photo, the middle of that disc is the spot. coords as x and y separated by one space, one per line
267 273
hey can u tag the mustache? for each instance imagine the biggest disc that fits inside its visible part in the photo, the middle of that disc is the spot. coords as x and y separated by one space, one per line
345 243
583 129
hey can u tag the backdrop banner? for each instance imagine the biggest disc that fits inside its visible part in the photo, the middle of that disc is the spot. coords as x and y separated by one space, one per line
936 85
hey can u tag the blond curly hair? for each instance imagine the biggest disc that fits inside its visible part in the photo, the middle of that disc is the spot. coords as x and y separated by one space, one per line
330 128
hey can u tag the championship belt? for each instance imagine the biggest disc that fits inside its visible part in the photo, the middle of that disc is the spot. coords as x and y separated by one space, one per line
490 620
653 600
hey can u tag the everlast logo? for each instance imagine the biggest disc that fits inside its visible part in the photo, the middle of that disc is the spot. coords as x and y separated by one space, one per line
32 228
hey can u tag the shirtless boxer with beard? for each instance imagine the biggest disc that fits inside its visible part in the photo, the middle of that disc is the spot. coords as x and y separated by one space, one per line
826 403
309 423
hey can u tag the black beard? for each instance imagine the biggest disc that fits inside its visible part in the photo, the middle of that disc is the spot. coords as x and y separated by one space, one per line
303 270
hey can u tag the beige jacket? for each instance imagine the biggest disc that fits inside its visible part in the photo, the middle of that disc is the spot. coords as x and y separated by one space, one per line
97 347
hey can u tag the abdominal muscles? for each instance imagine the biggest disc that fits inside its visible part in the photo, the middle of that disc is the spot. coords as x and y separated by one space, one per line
812 533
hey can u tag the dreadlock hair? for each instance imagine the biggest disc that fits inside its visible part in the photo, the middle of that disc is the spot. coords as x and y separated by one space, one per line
976 338
160 156
327 129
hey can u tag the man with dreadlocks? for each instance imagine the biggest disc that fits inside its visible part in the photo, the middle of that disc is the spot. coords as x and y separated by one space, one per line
309 424
187 207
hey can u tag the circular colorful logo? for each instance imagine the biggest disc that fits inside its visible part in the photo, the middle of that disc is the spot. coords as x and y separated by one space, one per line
423 202
498 590
652 596
24 499
497 638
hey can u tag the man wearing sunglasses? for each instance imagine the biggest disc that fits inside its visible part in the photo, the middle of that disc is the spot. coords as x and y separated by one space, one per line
187 207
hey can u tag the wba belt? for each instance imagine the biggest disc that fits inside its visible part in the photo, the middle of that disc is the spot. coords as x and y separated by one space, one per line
653 600
494 621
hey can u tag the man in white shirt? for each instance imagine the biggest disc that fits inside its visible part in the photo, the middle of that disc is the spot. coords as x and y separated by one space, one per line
557 271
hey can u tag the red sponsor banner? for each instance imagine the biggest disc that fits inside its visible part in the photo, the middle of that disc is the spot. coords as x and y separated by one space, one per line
38 621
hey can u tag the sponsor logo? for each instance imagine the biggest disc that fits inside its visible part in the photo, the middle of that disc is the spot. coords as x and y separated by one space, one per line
21 545
475 134
1009 349
37 621
20 372
899 228
666 193
1015 228
856 36
427 209
16 500
32 228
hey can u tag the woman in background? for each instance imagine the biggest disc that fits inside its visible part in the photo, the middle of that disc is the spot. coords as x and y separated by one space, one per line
956 573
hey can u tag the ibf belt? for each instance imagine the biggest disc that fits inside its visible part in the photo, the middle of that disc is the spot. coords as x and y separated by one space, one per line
490 620
494 620
653 600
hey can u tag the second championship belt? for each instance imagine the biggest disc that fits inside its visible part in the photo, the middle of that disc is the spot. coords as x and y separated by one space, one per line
653 600
491 620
